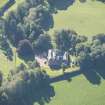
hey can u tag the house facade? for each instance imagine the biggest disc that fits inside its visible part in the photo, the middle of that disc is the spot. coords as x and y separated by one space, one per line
56 58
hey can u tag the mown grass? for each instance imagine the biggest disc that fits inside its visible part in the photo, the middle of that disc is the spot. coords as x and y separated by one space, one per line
78 92
85 18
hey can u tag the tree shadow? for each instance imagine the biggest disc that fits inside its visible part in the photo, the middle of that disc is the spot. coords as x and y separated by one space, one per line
101 72
6 7
42 97
65 76
31 97
61 4
92 76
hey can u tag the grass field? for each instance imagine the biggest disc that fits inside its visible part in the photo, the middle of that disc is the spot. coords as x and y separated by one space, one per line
85 18
6 65
2 2
78 92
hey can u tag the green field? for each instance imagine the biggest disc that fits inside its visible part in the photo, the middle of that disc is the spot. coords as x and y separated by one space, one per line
78 92
85 18
6 65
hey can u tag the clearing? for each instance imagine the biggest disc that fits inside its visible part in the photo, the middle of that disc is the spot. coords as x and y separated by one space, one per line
85 18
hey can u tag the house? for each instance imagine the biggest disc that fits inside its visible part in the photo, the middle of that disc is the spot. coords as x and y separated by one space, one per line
66 59
41 61
56 58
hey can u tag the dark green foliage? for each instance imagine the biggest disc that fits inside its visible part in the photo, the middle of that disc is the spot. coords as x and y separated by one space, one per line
21 67
85 61
35 2
43 44
33 64
67 39
24 87
92 55
25 49
4 44
82 47
28 21
99 37
41 16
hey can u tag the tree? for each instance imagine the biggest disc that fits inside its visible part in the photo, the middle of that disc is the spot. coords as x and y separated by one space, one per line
98 54
39 15
23 86
33 64
43 43
25 49
100 37
67 39
35 2
82 47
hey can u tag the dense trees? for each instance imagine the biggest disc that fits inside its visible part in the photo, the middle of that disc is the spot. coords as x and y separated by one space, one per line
29 21
92 54
22 86
25 49
66 39
43 44
26 29
40 15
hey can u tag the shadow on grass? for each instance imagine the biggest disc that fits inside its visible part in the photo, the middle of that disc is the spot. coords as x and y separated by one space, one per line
101 72
92 76
42 97
65 76
61 4
6 6
32 97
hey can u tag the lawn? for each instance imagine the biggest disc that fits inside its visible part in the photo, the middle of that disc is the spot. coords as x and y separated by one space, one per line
78 91
6 65
85 18
3 2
